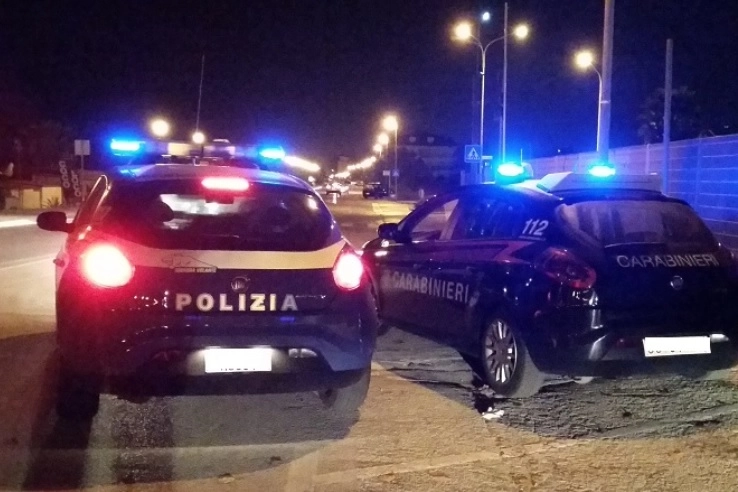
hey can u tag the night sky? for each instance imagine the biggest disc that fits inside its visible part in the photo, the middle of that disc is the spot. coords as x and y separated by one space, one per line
317 75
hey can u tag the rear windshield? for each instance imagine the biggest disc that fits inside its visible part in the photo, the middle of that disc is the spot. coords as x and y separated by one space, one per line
182 215
620 222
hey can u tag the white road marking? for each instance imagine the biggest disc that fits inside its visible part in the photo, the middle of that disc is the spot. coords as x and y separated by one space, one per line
391 208
16 223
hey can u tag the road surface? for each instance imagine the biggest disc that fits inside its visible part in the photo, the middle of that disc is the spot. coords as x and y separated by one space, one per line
420 429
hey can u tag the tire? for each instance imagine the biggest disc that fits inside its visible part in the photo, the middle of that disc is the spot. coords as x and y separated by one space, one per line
78 396
508 368
346 401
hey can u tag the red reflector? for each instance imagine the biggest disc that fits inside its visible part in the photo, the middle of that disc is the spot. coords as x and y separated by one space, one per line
225 183
106 266
348 271
566 268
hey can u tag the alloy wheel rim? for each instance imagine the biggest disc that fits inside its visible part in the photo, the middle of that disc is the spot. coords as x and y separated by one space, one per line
500 352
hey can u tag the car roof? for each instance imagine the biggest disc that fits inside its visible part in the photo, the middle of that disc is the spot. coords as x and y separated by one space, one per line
156 172
537 191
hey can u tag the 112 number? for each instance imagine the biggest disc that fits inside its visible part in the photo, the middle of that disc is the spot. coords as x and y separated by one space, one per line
535 227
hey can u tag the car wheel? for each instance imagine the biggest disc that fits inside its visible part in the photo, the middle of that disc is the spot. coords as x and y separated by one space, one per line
347 400
78 396
507 365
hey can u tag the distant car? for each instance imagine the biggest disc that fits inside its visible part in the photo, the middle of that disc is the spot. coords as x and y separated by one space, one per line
190 279
374 190
572 276
337 187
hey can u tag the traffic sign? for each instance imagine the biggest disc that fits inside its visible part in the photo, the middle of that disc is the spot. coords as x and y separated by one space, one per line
396 173
81 147
386 172
472 154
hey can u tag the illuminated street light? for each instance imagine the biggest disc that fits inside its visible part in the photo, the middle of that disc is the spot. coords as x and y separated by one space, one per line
159 127
463 32
584 59
521 31
486 16
378 147
198 138
390 123
383 139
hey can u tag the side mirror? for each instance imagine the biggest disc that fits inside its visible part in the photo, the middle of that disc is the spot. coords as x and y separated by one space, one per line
389 232
53 221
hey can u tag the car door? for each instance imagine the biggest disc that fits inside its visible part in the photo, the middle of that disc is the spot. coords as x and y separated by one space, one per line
485 235
404 294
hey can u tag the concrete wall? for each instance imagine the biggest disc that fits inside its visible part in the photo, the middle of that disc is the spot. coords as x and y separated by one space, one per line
703 171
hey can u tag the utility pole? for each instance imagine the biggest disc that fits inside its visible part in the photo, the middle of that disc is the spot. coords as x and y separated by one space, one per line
667 113
603 132
503 136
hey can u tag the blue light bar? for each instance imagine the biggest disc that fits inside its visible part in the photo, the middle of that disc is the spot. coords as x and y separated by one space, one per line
510 170
602 170
275 153
126 146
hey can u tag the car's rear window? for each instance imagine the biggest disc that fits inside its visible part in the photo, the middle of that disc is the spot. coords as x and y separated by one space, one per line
620 222
180 214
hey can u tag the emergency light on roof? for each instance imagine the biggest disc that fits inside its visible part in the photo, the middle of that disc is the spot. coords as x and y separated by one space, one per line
563 182
225 183
126 146
601 170
513 172
275 153
510 169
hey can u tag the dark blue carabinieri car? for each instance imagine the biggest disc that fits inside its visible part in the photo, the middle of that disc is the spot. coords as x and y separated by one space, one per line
183 278
570 275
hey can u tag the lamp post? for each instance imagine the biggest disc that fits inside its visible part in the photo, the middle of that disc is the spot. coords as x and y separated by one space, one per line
585 60
391 124
463 32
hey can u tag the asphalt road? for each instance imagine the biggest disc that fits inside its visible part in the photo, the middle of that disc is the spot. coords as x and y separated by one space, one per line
420 429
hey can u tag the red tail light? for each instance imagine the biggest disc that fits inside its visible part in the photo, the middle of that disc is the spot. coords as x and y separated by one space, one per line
106 266
348 270
566 268
225 183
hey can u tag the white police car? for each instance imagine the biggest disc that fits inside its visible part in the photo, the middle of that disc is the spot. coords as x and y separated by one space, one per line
200 279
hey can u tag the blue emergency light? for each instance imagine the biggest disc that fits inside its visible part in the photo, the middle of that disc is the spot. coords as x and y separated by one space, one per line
510 170
601 170
125 147
274 153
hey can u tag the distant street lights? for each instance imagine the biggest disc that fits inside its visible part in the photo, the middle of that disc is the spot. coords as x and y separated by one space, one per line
585 60
463 32
378 148
198 138
160 128
391 124
383 139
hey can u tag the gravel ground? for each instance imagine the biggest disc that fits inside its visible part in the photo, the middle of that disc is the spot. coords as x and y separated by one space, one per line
617 408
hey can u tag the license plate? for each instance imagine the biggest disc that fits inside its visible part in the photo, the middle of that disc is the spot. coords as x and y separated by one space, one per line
670 346
238 360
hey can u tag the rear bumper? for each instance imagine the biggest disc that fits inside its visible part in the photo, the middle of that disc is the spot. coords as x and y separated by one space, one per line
308 351
589 342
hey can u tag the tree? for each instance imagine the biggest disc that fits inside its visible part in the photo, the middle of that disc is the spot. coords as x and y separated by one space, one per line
685 116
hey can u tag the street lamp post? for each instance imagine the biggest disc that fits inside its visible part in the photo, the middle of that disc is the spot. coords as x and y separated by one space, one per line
463 32
585 60
391 124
